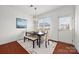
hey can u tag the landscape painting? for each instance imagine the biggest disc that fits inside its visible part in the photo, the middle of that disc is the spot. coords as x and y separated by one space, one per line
21 23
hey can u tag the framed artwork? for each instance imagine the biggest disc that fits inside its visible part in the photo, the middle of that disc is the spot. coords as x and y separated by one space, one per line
21 23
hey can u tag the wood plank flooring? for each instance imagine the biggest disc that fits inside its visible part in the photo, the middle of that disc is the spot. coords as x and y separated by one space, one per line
16 48
64 48
12 48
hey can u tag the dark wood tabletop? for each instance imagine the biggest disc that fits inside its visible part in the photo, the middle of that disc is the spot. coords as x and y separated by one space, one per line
39 34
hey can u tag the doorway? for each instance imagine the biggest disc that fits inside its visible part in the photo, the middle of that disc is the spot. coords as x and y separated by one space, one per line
65 29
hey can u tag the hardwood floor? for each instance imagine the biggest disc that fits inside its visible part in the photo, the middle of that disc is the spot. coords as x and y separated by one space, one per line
12 48
16 48
63 48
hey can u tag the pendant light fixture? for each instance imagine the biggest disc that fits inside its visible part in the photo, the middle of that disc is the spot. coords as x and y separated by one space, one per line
34 17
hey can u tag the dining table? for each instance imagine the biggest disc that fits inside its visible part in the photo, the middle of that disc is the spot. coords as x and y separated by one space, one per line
39 34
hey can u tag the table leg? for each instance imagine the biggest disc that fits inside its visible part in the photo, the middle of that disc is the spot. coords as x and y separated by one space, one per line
39 41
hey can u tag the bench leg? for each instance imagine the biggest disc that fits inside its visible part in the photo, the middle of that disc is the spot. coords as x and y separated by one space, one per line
33 44
24 39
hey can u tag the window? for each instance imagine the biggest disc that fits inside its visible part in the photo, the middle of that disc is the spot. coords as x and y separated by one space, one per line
44 22
65 23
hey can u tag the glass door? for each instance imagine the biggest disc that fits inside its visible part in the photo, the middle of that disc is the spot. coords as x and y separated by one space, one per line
65 29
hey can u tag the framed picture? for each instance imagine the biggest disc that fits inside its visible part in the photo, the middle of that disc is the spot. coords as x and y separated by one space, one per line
21 23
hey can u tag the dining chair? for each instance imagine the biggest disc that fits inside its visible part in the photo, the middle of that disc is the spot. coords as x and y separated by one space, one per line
47 37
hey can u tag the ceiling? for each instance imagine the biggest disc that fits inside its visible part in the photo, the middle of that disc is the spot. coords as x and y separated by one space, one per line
30 10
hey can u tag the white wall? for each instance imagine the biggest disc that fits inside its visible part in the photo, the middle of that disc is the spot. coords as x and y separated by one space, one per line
77 28
8 30
55 14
